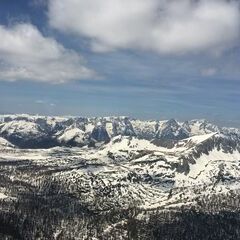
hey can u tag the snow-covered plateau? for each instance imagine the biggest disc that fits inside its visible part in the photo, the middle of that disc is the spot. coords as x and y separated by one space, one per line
104 178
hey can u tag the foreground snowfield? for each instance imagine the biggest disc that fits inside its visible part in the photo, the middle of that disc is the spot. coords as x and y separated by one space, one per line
116 163
140 170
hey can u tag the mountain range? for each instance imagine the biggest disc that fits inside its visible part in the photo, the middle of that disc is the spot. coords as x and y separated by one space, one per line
111 164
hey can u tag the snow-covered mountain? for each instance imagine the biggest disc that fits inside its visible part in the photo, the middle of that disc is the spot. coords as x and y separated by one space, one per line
118 162
41 132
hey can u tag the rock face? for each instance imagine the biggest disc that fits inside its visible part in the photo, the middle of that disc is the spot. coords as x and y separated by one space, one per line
100 134
170 132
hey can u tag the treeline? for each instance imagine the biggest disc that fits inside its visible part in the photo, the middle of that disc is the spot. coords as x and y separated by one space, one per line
51 209
62 217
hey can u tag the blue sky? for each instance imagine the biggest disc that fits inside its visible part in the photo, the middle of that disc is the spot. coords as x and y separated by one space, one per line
111 69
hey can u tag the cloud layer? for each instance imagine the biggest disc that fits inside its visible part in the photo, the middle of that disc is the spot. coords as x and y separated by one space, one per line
25 54
165 26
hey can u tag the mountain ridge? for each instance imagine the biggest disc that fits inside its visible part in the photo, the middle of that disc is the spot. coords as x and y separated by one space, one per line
17 128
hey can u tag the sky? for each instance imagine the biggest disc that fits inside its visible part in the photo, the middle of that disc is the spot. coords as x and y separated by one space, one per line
155 59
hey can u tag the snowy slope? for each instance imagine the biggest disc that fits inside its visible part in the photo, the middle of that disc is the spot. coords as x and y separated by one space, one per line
4 143
72 135
130 169
76 166
21 127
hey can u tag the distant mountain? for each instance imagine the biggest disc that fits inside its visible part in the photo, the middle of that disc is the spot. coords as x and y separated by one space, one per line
28 131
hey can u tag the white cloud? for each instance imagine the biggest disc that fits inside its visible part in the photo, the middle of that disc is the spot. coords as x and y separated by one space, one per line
208 72
165 26
39 101
46 103
25 54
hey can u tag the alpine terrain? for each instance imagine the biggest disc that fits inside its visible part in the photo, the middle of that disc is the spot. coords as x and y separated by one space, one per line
118 178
